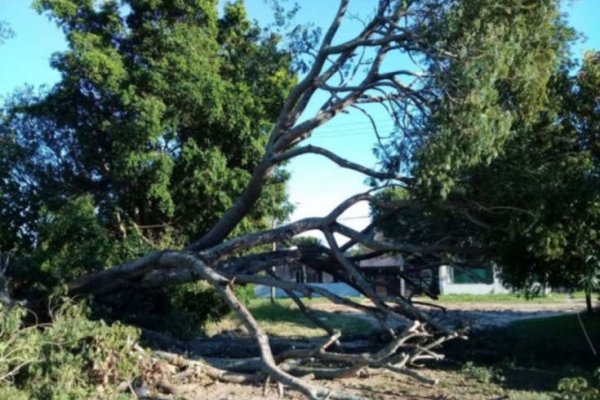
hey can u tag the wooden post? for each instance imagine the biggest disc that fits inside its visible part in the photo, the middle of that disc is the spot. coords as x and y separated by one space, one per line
273 269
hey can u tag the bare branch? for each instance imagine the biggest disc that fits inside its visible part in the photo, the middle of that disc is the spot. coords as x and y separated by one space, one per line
342 162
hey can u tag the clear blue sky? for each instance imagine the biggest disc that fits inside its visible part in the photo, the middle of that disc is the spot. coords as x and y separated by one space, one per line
316 185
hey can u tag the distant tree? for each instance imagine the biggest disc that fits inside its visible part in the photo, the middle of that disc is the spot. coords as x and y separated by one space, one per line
306 241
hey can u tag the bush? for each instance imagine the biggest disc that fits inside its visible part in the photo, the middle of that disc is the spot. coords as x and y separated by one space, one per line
481 373
181 311
578 388
194 304
198 301
245 293
71 358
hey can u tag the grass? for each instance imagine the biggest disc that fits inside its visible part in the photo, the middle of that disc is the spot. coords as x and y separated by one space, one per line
558 338
524 361
508 298
285 319
533 354
289 302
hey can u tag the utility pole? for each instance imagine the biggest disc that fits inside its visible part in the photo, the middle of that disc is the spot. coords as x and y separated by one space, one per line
273 269
401 276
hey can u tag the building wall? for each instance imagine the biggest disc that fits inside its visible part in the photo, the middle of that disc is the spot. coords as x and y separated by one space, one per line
340 289
297 274
385 284
447 286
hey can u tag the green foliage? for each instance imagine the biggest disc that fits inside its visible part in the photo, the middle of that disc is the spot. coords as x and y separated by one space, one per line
180 310
505 54
306 241
548 176
161 114
579 388
245 293
71 358
5 32
507 161
71 241
482 374
195 304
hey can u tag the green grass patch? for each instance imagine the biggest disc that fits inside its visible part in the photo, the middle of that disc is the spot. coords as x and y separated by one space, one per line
560 339
283 318
508 298
533 354
562 325
553 341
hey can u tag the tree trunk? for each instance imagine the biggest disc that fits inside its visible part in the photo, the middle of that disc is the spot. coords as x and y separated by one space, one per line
588 301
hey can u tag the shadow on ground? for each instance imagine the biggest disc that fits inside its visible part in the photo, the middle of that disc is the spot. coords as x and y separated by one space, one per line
531 354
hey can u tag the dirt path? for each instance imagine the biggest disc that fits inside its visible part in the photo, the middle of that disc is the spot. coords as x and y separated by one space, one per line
483 315
490 315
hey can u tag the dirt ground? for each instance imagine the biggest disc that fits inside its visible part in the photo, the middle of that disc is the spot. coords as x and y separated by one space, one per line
453 385
484 315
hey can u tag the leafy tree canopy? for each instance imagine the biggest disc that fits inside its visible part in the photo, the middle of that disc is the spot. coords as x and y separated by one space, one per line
506 160
160 115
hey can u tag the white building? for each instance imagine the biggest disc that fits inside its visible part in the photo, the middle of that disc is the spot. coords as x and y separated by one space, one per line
450 282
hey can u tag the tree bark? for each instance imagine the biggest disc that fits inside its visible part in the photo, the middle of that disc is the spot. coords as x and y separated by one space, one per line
588 302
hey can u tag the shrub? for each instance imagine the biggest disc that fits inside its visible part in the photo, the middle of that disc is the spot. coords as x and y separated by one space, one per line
481 373
198 301
71 358
245 293
578 388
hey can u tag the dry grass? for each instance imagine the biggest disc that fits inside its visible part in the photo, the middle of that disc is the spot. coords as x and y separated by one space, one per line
454 385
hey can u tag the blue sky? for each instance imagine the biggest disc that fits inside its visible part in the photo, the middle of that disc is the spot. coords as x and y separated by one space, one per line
316 185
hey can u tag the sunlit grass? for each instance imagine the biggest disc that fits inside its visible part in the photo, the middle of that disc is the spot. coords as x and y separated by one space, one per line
507 298
285 319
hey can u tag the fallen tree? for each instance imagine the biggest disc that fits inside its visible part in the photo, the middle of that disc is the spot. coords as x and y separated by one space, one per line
224 262
356 74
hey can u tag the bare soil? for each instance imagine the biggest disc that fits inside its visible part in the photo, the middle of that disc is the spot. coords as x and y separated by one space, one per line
489 315
453 385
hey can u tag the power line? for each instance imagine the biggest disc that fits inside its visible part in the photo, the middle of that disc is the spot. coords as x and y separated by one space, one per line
356 128
361 122
351 218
